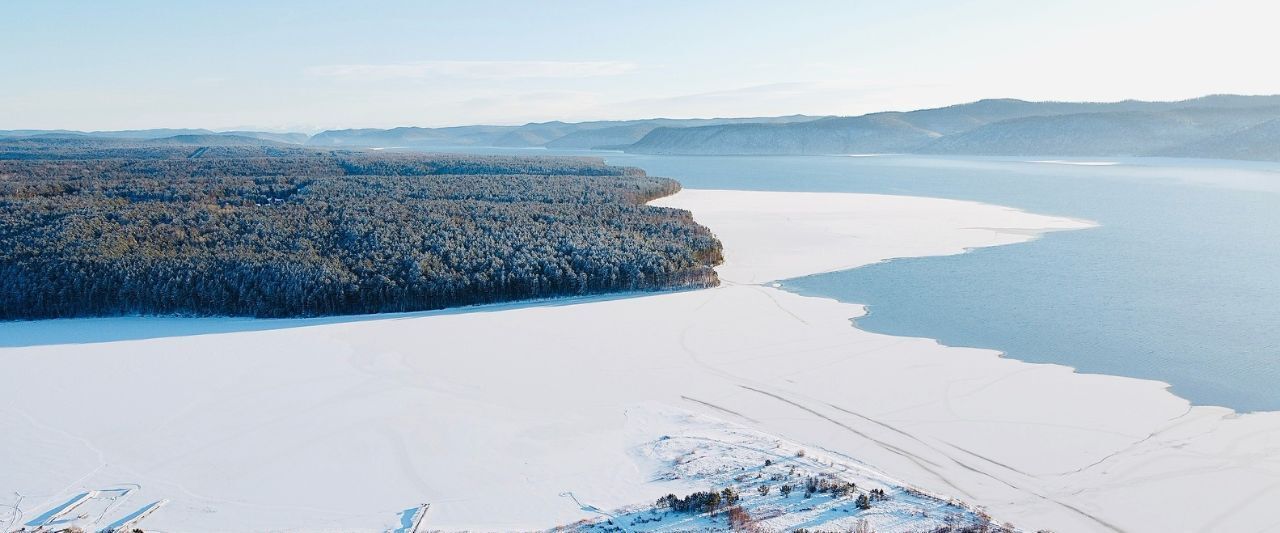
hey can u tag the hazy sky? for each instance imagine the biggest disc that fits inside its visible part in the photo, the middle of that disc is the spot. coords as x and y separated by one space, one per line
321 64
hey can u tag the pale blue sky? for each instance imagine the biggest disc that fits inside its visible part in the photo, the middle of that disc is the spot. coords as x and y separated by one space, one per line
325 64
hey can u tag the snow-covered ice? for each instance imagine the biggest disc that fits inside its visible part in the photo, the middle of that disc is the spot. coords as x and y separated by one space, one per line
491 414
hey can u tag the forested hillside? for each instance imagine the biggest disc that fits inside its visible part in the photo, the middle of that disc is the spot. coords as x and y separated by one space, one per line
1216 126
555 134
55 146
1212 126
877 133
118 229
1119 133
1083 134
1260 142
289 138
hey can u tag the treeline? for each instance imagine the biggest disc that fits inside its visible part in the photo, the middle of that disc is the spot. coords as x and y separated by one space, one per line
699 502
76 146
269 232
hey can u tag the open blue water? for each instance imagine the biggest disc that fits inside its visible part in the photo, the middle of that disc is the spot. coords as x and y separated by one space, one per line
1181 283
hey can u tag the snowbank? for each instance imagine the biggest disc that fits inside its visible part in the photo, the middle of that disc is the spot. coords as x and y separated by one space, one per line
496 414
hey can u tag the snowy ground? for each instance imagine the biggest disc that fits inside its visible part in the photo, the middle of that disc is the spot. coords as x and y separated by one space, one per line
512 417
715 456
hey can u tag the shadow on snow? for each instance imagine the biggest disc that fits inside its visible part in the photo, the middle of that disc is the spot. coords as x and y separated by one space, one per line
27 333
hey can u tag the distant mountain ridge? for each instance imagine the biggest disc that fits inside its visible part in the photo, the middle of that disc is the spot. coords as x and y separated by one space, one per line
1228 126
865 134
1257 142
555 134
1120 133
1216 126
160 133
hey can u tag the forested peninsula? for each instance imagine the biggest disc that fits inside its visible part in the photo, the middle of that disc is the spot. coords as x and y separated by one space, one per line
110 228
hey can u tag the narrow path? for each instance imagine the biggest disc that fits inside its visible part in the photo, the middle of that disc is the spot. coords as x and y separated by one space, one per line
918 461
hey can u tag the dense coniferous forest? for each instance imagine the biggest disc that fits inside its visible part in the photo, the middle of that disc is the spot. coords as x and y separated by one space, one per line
101 228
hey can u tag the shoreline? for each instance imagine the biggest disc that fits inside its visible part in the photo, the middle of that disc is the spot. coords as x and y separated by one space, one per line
1032 235
865 311
241 429
1268 421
